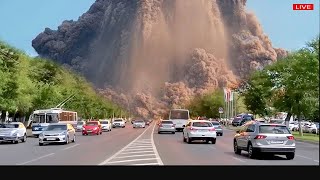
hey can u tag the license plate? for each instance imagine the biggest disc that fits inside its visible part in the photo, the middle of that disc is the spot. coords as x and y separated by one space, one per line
167 126
276 142
89 131
51 139
202 130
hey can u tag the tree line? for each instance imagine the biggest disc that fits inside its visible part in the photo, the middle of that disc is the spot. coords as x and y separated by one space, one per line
28 84
289 85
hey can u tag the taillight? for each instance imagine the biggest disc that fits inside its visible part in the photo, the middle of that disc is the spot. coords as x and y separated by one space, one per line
212 129
290 137
260 137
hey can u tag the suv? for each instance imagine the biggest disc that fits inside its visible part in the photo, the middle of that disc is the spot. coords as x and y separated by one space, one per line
118 123
257 138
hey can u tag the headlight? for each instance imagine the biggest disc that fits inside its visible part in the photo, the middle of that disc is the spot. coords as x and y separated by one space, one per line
95 128
83 128
64 133
41 135
15 134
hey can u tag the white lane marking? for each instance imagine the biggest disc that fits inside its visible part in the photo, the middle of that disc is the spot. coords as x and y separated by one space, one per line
141 146
305 157
213 147
138 155
121 150
144 164
70 147
238 159
137 149
155 148
136 152
131 160
36 159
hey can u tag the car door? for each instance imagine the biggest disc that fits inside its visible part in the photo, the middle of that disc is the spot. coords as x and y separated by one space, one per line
185 129
240 137
247 134
70 132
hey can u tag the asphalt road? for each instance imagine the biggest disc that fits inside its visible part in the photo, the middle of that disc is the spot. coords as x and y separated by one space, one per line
143 146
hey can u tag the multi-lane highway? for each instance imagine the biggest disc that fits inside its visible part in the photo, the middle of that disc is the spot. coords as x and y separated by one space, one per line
129 146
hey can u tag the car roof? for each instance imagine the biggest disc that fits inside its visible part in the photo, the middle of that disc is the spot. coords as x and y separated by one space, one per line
58 124
200 121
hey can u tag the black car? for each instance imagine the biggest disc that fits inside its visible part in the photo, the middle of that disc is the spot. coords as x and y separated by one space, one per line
240 120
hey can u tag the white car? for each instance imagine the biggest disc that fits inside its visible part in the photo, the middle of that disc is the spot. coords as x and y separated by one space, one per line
13 132
80 125
118 123
293 126
199 130
106 125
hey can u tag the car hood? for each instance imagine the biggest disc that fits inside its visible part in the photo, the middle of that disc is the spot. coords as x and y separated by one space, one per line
7 131
53 132
90 127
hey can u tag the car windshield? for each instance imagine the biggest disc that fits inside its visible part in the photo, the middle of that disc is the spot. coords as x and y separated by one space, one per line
276 121
248 118
104 122
9 125
119 120
80 123
92 123
202 124
273 129
166 122
215 123
56 128
237 119
139 121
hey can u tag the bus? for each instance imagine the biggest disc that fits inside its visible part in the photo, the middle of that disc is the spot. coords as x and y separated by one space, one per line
179 117
42 118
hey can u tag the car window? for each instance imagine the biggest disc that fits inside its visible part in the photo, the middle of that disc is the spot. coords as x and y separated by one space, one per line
92 123
104 122
9 126
250 128
215 123
273 129
202 124
119 120
56 127
166 122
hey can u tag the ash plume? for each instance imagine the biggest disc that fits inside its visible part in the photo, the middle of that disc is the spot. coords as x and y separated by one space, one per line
152 55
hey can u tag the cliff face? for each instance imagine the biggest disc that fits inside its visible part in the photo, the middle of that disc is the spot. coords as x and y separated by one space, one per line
160 53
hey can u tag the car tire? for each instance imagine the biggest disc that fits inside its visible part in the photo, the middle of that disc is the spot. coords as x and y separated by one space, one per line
15 142
221 134
67 140
144 127
189 140
74 139
251 152
134 127
213 140
123 126
236 148
24 139
184 139
40 144
100 132
290 156
173 132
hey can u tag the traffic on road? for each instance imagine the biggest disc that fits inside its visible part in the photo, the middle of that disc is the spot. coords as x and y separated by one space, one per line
118 141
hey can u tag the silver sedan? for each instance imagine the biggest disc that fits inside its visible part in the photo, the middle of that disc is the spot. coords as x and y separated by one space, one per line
166 126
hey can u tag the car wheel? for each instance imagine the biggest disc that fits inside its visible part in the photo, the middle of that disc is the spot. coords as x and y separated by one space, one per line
100 132
15 142
74 139
24 139
236 148
184 139
290 156
189 140
173 132
40 144
67 140
251 152
213 140
144 127
221 134
159 132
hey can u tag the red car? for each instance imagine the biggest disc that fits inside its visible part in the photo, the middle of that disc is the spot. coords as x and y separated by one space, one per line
92 127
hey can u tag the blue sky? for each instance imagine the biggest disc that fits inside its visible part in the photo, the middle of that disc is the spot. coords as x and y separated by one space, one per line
22 20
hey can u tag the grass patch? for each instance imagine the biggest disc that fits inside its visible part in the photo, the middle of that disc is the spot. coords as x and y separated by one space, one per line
306 137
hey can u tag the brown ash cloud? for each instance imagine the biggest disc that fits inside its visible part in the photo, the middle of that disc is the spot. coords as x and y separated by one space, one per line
152 55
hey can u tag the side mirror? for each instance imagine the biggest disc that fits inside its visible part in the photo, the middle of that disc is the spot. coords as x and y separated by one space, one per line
238 131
